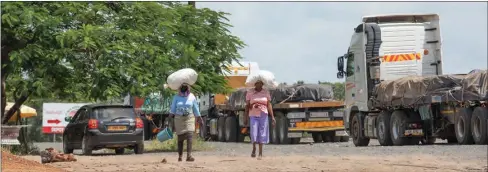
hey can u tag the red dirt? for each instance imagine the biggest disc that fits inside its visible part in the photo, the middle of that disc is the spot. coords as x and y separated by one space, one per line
12 163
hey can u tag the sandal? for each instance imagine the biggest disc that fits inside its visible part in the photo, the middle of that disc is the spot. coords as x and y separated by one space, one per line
180 159
253 155
260 157
190 159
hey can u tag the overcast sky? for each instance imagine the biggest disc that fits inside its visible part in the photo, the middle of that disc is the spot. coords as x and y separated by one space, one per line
302 40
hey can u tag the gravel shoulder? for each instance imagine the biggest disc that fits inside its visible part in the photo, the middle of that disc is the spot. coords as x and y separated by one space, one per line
302 157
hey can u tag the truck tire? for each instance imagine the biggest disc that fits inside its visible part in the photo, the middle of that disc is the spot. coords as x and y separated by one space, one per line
230 129
203 128
282 124
295 141
327 136
273 133
429 141
397 125
357 131
478 125
317 137
462 127
383 128
221 129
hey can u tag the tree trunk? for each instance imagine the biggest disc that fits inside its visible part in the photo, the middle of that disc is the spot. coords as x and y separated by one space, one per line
4 96
15 107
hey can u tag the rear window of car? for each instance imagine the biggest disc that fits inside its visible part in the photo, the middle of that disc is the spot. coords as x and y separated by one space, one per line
110 113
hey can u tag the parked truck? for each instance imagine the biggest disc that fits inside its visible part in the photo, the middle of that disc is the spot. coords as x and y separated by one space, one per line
223 114
395 89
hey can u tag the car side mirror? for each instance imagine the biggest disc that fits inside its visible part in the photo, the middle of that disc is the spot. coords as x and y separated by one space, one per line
68 118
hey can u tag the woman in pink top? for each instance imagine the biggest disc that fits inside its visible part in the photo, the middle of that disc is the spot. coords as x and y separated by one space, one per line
258 107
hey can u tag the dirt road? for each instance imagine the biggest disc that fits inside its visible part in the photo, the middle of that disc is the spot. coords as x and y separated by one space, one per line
304 157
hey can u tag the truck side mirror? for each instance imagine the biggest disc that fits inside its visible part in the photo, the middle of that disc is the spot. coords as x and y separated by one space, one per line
340 67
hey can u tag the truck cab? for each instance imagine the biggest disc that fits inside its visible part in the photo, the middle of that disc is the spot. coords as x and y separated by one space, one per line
384 48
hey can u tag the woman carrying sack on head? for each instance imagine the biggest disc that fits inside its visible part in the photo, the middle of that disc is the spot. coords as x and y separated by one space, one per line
258 107
185 109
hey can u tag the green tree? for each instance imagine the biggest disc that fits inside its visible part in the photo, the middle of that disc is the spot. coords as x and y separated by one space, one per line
101 50
338 88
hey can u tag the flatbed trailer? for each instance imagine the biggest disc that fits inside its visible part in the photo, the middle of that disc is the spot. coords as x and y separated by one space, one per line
322 119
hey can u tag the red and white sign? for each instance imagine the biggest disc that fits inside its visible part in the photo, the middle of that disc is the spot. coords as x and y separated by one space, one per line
53 115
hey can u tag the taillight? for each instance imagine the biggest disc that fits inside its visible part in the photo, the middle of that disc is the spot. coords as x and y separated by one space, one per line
139 123
92 124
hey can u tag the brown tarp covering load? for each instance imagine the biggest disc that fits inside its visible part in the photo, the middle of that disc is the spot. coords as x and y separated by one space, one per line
295 93
416 90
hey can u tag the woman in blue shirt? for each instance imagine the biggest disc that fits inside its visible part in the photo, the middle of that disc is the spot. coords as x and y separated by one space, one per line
185 109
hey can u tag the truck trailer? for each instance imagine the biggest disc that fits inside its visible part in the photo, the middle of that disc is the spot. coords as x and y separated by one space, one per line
223 114
396 91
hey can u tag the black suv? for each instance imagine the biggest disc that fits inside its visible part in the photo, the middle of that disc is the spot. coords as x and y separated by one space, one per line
95 127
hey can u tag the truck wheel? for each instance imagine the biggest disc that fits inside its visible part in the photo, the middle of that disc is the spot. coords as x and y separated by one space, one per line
478 125
273 133
317 137
327 136
203 129
462 127
295 140
221 129
398 122
231 129
357 132
383 129
429 141
282 124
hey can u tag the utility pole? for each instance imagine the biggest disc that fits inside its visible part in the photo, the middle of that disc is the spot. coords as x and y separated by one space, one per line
192 3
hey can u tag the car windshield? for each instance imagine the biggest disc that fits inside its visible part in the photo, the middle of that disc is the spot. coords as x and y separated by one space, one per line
111 113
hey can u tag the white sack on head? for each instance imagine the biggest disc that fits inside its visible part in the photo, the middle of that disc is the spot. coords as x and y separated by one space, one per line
176 79
265 76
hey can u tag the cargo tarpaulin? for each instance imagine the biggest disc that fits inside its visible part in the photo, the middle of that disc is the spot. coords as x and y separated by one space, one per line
282 93
415 90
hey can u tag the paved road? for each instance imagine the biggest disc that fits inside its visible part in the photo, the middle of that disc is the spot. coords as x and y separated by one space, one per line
302 157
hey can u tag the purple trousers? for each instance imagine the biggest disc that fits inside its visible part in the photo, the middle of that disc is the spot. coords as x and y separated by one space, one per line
259 129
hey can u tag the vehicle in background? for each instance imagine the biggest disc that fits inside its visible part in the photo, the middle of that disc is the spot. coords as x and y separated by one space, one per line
224 121
391 55
96 127
152 109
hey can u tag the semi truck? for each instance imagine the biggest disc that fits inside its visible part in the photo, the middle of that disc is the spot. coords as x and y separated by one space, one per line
395 89
224 117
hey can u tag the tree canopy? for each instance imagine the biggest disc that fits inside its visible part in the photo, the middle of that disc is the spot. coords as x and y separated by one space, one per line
101 50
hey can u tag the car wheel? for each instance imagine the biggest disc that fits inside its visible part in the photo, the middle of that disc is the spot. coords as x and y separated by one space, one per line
139 148
119 151
66 147
85 147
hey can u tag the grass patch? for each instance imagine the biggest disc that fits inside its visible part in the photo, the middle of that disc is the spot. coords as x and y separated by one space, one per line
172 145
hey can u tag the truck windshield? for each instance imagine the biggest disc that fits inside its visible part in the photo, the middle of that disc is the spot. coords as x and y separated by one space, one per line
111 113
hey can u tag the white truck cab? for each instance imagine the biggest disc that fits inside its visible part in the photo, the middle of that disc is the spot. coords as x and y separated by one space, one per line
388 47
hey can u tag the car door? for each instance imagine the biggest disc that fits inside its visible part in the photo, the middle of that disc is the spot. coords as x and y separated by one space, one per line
80 125
69 129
